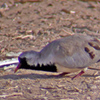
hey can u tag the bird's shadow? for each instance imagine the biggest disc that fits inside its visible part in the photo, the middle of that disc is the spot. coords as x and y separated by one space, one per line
37 76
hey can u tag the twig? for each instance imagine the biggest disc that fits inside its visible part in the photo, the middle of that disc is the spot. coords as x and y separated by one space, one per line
23 1
13 94
6 62
23 37
93 68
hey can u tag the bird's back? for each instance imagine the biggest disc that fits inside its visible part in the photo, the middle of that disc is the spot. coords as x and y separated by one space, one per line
77 51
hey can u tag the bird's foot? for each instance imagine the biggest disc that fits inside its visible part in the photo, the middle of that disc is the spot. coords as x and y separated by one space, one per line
76 76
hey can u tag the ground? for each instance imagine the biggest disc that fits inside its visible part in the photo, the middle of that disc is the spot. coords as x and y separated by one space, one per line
32 25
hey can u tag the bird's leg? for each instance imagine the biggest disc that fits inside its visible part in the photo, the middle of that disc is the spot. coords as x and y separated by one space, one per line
82 72
62 74
76 76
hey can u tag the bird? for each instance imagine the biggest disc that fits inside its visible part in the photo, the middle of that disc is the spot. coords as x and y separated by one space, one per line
74 53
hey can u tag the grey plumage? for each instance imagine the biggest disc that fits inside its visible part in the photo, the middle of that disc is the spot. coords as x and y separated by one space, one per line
69 54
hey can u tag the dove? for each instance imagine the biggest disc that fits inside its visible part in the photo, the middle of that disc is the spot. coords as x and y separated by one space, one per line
67 55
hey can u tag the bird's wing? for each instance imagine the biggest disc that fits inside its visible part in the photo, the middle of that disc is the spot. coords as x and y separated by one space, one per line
79 52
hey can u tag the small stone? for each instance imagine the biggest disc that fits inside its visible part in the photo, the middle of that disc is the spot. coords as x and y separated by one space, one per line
72 12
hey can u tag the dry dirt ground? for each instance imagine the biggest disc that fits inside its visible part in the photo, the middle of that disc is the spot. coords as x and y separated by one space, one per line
31 25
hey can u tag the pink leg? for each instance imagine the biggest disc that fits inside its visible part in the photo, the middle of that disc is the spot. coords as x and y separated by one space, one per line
76 76
62 74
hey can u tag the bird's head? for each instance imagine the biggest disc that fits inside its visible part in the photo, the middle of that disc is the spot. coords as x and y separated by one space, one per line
27 59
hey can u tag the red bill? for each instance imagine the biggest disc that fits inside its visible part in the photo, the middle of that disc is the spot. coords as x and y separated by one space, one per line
19 65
